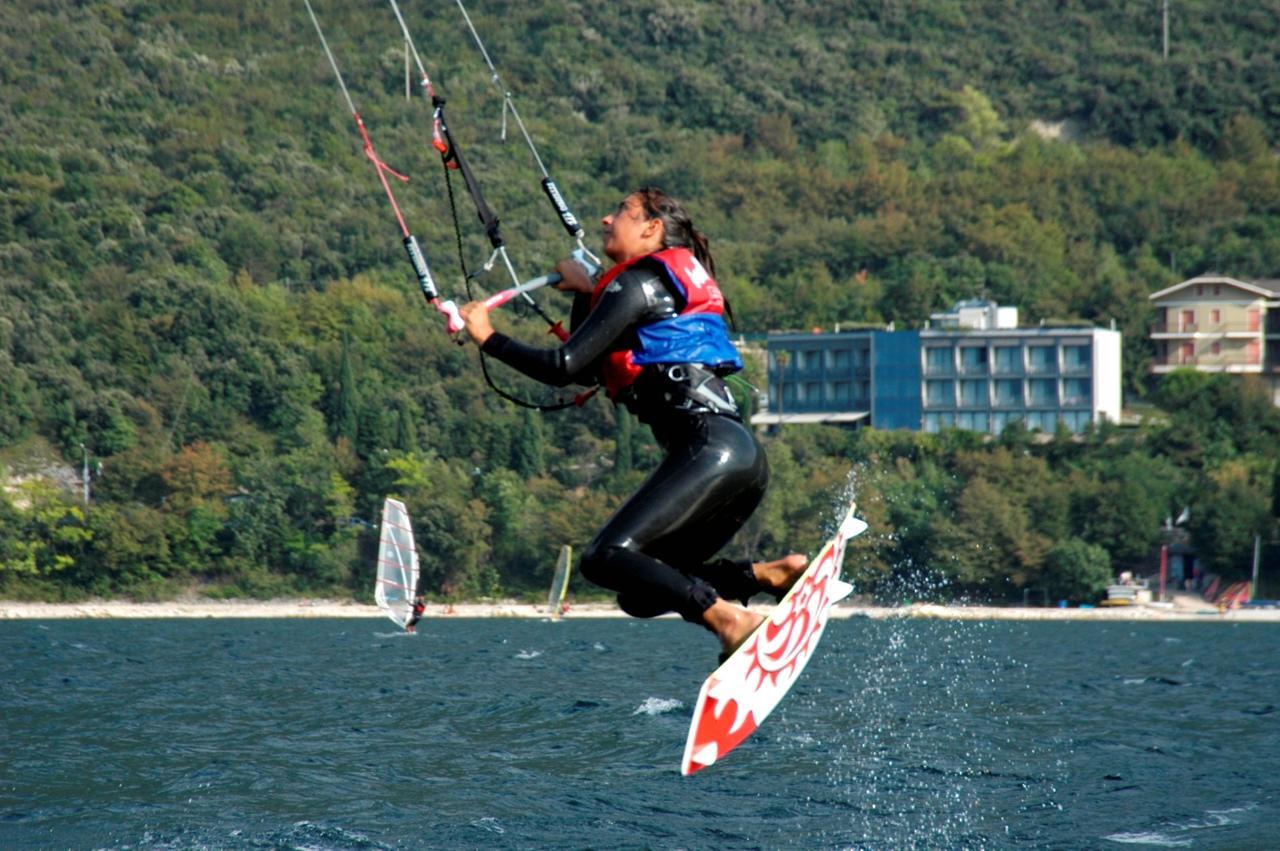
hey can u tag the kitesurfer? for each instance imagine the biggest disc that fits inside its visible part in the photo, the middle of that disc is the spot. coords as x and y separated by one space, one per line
651 330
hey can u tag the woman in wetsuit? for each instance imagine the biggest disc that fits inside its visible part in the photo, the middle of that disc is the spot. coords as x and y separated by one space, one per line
652 331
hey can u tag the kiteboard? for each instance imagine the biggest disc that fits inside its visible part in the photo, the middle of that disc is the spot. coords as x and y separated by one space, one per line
741 693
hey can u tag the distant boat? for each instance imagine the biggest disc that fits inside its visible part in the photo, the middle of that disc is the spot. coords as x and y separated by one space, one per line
397 564
1127 592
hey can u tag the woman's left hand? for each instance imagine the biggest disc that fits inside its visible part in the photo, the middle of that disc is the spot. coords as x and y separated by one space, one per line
476 316
574 278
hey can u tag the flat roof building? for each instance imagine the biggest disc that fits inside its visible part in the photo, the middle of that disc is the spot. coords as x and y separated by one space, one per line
972 369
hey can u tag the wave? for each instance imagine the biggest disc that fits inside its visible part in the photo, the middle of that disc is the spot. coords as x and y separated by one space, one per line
1174 834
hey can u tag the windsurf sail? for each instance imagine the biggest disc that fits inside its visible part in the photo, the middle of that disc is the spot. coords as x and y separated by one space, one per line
560 583
397 564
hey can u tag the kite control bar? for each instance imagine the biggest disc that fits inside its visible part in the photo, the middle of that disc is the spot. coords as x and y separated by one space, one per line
453 319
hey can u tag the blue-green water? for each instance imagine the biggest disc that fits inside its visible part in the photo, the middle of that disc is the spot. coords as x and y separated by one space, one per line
327 734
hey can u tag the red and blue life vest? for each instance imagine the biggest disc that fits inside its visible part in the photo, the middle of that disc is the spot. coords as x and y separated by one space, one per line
698 334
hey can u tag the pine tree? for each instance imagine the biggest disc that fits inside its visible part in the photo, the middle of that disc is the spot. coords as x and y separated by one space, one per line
527 457
346 416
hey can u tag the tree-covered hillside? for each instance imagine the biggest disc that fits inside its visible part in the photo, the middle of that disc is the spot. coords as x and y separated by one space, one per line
201 280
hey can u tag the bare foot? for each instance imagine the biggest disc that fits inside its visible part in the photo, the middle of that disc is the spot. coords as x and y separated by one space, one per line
778 576
733 624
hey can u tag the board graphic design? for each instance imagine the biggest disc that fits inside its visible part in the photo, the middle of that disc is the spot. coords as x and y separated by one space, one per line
742 692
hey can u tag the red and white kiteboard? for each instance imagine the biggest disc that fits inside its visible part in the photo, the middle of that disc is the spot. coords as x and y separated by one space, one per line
742 692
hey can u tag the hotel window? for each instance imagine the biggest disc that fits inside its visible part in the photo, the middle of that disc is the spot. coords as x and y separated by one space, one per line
1046 421
840 392
1188 320
1077 358
1215 316
935 423
1001 419
973 360
1215 348
1042 359
838 359
1076 391
812 360
1043 391
939 393
1008 391
1008 360
973 394
938 361
1076 421
973 421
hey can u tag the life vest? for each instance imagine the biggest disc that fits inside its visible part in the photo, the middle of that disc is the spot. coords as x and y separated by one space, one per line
698 334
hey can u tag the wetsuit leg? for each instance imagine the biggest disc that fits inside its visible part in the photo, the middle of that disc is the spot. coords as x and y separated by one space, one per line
654 550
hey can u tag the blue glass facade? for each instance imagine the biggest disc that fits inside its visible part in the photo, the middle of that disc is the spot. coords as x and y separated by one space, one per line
895 379
815 373
979 380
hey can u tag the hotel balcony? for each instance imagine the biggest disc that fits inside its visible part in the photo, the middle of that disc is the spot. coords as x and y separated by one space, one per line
1167 330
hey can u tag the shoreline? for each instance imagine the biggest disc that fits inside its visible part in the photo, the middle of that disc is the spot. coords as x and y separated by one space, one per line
320 608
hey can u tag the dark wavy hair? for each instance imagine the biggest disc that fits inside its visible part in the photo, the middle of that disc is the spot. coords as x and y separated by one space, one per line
678 229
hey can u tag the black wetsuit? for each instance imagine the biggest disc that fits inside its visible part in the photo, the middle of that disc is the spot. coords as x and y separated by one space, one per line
656 549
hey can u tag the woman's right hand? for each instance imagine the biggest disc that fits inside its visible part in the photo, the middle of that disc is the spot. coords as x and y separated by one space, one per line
476 316
573 278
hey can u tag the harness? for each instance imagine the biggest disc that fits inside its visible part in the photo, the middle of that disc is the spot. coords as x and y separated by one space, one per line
682 359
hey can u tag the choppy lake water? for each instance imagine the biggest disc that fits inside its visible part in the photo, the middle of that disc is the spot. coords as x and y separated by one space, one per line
502 733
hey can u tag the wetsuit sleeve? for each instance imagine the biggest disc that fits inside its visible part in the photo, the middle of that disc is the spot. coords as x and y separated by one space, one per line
626 302
581 307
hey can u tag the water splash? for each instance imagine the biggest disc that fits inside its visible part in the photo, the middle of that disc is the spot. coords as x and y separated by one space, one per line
658 706
489 824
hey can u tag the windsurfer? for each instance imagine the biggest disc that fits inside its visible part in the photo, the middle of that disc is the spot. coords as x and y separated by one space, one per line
652 331
419 607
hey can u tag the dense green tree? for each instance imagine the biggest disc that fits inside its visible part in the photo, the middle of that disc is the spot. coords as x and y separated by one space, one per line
1233 508
43 534
1077 571
1124 507
451 523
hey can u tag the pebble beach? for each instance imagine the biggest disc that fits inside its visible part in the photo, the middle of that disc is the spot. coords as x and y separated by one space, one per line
1183 608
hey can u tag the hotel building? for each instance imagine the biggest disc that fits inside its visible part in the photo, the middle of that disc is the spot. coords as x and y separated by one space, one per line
972 368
